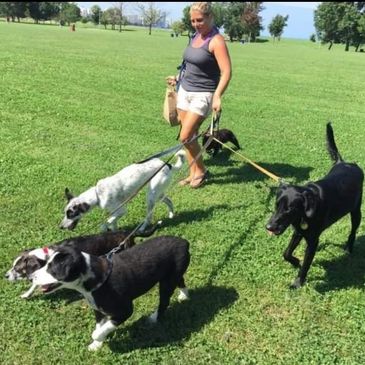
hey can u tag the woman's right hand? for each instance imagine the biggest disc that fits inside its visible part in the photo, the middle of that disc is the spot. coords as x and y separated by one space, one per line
171 80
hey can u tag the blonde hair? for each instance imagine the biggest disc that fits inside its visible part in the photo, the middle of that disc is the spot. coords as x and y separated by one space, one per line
203 7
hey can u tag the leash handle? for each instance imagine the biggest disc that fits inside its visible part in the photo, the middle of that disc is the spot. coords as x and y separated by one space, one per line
214 124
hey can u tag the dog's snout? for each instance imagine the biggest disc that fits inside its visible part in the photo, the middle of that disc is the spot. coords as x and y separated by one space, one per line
7 275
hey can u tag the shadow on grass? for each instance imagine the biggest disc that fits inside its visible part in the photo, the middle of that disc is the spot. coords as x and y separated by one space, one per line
346 270
180 321
248 173
197 215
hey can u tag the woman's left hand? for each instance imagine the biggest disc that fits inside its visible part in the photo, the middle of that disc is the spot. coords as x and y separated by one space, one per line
216 103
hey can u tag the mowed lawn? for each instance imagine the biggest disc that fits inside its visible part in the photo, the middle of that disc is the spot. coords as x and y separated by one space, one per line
79 106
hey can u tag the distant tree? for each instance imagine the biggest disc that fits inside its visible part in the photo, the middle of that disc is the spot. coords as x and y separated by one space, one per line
119 12
312 38
106 18
361 29
340 22
69 13
151 15
33 11
251 20
233 25
186 21
112 16
219 11
348 25
178 27
13 10
277 25
96 13
48 10
326 21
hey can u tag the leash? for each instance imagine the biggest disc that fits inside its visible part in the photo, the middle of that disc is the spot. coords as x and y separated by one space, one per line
258 167
177 148
119 247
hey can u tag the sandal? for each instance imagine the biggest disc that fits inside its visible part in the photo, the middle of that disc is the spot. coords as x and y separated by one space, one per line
200 180
185 181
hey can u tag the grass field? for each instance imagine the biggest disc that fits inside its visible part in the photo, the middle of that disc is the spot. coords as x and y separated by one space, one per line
78 106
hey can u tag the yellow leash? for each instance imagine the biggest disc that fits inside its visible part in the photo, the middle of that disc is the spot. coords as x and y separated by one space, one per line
268 173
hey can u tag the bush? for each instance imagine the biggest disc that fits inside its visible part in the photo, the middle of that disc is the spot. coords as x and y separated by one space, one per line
312 38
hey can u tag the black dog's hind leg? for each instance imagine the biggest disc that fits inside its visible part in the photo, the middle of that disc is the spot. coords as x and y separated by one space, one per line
166 288
355 222
293 244
308 258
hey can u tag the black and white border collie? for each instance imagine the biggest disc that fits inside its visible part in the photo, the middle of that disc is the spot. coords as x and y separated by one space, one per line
110 192
110 286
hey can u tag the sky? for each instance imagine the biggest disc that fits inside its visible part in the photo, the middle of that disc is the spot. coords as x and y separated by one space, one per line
300 22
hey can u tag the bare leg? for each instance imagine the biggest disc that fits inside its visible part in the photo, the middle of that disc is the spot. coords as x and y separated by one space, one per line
190 123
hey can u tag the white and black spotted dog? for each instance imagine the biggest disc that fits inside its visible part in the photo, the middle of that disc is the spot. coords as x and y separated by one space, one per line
110 192
111 285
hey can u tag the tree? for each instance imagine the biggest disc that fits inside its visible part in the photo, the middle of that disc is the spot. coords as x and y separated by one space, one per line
119 11
13 10
251 20
340 22
233 25
96 13
361 30
277 25
348 25
150 14
33 11
70 13
178 27
186 21
219 11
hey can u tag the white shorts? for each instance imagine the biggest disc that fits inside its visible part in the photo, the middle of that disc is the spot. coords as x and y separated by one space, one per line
197 102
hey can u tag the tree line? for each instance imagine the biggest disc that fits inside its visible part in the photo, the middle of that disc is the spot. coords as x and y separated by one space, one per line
64 12
341 22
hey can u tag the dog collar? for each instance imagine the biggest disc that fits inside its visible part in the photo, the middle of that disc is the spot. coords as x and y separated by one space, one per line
45 251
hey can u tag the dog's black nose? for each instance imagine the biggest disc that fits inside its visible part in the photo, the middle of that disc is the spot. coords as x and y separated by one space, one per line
269 226
7 276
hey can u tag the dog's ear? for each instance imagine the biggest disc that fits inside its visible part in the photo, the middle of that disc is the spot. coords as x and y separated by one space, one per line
310 203
68 194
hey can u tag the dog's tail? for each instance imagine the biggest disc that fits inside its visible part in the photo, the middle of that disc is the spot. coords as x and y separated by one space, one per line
181 156
331 145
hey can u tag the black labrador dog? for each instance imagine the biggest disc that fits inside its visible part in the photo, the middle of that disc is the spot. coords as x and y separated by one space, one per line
312 208
223 135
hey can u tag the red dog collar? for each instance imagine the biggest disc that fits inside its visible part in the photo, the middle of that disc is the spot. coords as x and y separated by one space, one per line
45 250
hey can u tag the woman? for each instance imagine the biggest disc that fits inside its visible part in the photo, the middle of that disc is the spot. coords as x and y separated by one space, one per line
206 77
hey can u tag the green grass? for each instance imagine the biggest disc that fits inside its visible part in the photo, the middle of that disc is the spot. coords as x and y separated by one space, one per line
78 106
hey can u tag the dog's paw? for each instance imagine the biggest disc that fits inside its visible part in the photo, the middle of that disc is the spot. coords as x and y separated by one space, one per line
171 215
95 345
97 334
25 295
296 284
184 295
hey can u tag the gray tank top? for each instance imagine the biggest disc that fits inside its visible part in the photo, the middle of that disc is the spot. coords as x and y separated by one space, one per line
202 72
